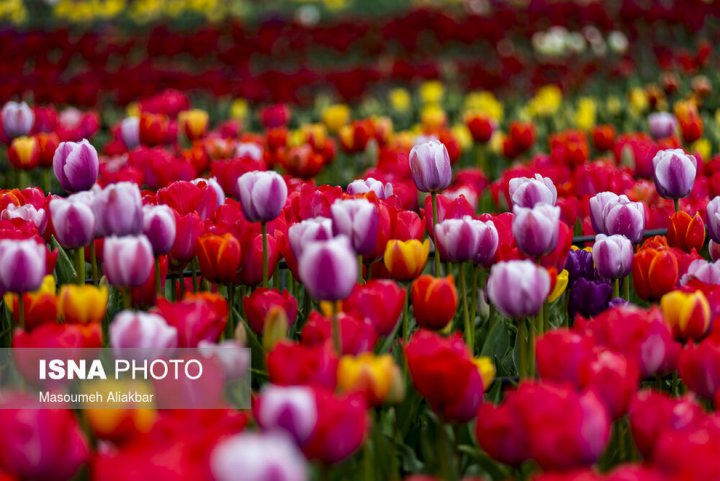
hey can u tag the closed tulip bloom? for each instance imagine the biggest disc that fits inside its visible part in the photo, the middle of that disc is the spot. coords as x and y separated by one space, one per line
329 269
536 229
142 330
698 367
376 377
598 204
74 222
82 304
118 210
307 231
430 166
655 273
405 260
379 301
24 153
76 165
219 257
130 132
358 220
363 186
262 195
518 288
27 212
713 219
258 305
623 217
22 265
194 123
687 314
714 250
686 232
17 119
467 239
127 261
662 124
258 457
704 271
526 191
289 409
159 227
434 300
613 256
589 297
674 173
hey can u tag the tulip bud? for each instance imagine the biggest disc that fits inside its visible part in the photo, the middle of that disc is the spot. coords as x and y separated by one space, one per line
363 186
159 227
358 220
309 230
130 132
613 256
686 232
621 217
219 257
518 288
259 303
536 229
378 301
82 304
674 173
655 272
22 265
276 327
73 221
291 409
127 261
467 239
687 314
262 195
194 123
142 330
527 192
24 153
17 119
662 125
329 269
258 457
430 166
369 374
405 260
434 300
118 210
76 165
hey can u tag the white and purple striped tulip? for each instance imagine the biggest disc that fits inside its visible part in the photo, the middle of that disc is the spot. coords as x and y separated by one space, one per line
358 220
22 265
363 186
626 218
674 173
598 202
127 261
258 457
26 212
430 166
17 119
662 125
527 191
613 256
76 165
310 230
713 219
518 288
142 330
703 271
262 195
329 269
467 239
73 221
536 229
159 227
130 132
118 210
290 409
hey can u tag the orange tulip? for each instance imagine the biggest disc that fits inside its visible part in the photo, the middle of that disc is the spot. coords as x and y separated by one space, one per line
686 232
405 260
655 272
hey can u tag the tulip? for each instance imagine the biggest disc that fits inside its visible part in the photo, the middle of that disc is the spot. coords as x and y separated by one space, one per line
655 272
518 288
73 221
376 377
704 271
674 173
24 154
687 314
38 443
219 257
258 303
527 192
328 269
405 260
363 186
194 123
713 219
76 165
579 264
188 228
714 250
289 409
142 330
355 334
185 197
435 301
501 433
130 132
309 230
82 304
430 166
613 378
213 184
357 219
598 205
22 265
699 367
198 317
40 306
258 457
118 210
589 297
686 232
623 217
159 227
379 301
295 364
536 229
17 119
27 212
444 372
127 261
481 127
662 125
467 239
613 256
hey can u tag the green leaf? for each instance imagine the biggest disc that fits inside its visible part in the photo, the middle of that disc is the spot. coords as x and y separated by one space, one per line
64 268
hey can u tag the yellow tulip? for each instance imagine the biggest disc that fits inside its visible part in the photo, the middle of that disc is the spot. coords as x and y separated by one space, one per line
336 116
485 103
686 313
82 304
239 109
702 147
432 92
400 100
585 115
405 260
194 122
560 286
432 118
638 100
109 421
487 370
546 102
373 375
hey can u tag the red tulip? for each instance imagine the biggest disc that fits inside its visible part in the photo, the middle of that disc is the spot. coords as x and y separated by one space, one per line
500 431
380 301
257 305
686 232
700 367
357 334
186 197
198 317
655 272
289 364
434 301
219 257
188 229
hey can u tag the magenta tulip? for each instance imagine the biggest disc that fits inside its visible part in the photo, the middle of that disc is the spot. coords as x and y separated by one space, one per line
309 230
74 223
76 165
329 269
118 210
262 195
713 219
526 192
467 240
430 166
127 261
22 265
159 227
674 173
536 229
358 220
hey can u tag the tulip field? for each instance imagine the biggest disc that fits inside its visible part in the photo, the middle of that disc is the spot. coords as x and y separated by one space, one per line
432 240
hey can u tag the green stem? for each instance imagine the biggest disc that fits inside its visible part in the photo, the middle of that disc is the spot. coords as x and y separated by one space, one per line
521 343
127 297
230 327
626 288
469 337
47 180
158 279
21 310
93 263
194 268
491 316
360 269
476 271
368 461
265 255
443 449
616 288
433 198
406 316
531 346
677 204
336 335
80 265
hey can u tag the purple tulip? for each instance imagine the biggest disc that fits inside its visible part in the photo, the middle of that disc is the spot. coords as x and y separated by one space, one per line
213 184
626 218
26 212
17 119
536 229
579 265
527 192
142 330
118 210
262 195
74 223
76 165
358 220
703 271
289 409
329 269
518 288
589 297
598 203
662 125
127 261
250 150
233 356
714 250
613 256
258 457
130 132
467 239
159 227
22 265
713 219
674 173
430 166
363 186
309 230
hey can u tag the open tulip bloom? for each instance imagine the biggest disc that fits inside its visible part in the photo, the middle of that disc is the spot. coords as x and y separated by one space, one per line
421 268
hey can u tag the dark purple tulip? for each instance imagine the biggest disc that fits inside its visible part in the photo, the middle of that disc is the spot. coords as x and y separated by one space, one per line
579 264
536 229
76 165
329 269
518 288
363 186
262 195
118 210
588 297
159 227
430 166
358 220
127 261
674 173
662 124
613 256
17 119
74 222
467 239
527 192
22 265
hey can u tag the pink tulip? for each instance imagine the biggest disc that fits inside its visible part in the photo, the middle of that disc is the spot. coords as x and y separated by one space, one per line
127 261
